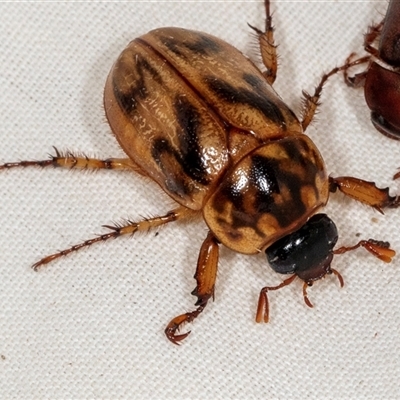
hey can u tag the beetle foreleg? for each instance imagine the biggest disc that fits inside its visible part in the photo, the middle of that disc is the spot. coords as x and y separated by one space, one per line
378 248
71 161
365 192
206 274
267 46
128 228
263 304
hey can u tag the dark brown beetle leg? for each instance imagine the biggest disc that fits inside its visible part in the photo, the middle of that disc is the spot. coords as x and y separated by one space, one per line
71 161
267 46
263 304
378 248
311 103
357 80
127 228
369 38
365 192
206 274
372 34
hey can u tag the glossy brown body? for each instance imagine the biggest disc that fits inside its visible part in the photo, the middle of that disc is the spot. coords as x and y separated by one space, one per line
382 78
389 43
200 119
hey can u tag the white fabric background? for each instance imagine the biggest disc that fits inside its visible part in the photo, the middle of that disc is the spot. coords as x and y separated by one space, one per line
90 326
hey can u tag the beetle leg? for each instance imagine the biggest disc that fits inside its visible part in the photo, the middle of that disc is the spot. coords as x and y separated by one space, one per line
263 304
69 160
369 38
357 80
338 275
378 248
372 34
305 295
127 228
267 46
311 103
206 274
365 192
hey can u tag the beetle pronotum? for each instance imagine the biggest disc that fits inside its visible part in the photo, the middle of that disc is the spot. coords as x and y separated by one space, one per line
201 120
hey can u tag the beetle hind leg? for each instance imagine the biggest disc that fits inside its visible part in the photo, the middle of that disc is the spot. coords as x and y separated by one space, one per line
267 46
206 273
70 160
127 228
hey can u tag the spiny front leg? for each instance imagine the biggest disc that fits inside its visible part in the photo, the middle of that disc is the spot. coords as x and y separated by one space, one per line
365 192
267 46
206 274
128 228
70 160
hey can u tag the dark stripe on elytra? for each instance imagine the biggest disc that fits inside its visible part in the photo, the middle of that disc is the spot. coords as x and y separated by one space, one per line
173 182
189 154
128 97
254 98
203 45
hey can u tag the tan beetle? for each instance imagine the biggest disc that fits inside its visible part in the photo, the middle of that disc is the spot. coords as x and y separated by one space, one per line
200 119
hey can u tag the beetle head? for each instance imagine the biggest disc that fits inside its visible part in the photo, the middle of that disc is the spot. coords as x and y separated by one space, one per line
307 252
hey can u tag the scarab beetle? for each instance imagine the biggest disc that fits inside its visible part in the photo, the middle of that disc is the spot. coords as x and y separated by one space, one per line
201 120
381 79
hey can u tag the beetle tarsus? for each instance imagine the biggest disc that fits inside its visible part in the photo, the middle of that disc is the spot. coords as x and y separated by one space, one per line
263 304
267 46
305 296
378 248
175 325
126 228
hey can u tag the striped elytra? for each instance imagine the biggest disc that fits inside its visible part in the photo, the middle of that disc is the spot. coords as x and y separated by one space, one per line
201 120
